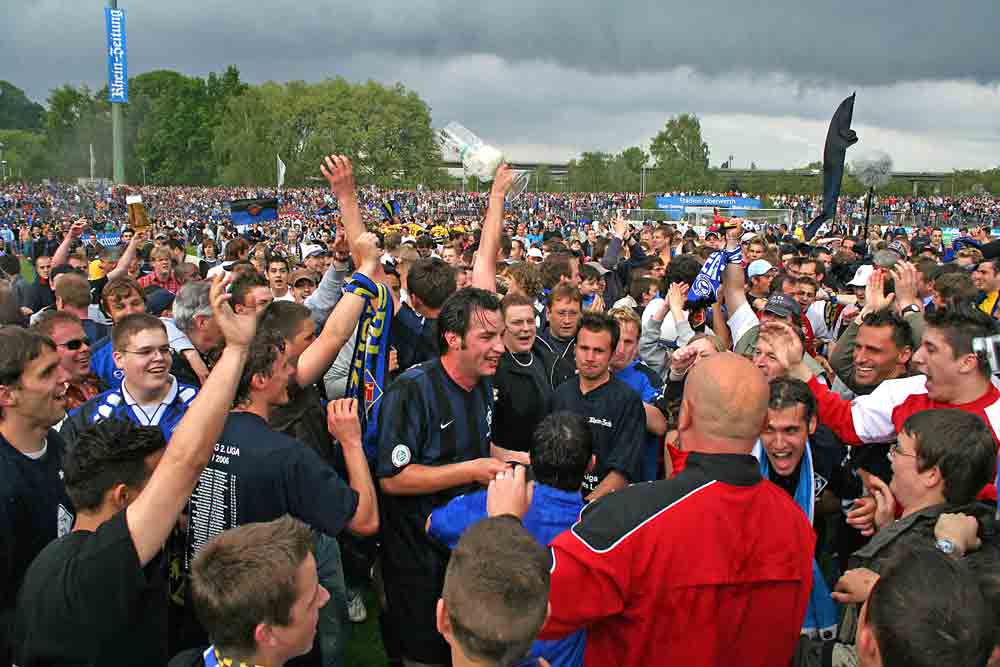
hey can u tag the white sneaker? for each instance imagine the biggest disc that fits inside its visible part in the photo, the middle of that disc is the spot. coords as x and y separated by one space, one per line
356 610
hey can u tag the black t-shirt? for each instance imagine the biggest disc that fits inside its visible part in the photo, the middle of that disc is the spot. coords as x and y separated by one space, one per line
34 509
413 337
258 474
86 600
617 422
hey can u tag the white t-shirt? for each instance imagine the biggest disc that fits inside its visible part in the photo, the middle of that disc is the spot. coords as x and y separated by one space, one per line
742 321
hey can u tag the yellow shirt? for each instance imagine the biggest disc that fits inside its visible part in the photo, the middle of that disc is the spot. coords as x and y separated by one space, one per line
989 304
94 269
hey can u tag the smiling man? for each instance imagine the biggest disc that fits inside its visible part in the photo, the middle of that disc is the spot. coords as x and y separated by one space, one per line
34 507
790 459
148 395
434 435
66 331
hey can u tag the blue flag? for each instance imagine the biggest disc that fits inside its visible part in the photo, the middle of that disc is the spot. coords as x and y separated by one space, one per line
251 211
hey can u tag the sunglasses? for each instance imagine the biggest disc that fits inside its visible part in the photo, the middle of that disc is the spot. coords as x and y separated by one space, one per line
75 343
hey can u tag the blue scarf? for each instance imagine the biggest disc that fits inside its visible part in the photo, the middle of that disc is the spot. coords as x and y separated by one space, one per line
821 615
706 284
367 377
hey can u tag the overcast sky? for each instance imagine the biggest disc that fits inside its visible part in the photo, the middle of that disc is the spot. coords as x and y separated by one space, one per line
549 80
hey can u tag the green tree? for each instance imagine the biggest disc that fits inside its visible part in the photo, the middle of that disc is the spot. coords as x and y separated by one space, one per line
680 153
25 154
17 112
590 173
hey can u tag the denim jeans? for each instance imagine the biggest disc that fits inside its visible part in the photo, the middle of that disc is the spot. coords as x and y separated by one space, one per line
334 628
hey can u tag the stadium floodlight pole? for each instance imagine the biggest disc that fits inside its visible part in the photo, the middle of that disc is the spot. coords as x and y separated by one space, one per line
117 136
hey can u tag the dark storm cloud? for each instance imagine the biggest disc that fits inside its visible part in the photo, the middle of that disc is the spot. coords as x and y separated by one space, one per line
874 42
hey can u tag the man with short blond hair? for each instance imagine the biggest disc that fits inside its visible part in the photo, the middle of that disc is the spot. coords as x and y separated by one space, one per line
163 271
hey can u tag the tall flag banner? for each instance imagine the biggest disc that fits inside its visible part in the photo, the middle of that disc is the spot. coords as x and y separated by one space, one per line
251 211
114 20
839 138
281 172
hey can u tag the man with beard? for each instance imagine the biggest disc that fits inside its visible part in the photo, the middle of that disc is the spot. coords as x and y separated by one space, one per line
148 395
34 507
434 435
73 346
613 410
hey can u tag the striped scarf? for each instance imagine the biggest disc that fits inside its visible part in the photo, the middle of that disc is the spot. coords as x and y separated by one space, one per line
366 380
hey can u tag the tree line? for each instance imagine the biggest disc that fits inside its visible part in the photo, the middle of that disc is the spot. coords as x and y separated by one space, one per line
220 130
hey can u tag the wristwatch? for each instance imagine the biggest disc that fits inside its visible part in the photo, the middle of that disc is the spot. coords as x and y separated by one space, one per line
912 308
946 546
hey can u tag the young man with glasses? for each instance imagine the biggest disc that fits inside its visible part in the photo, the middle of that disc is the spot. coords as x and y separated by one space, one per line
149 395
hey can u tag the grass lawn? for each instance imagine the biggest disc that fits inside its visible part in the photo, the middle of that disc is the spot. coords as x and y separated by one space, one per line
27 271
365 647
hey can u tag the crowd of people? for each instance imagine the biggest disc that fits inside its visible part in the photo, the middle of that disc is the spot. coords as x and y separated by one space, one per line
534 440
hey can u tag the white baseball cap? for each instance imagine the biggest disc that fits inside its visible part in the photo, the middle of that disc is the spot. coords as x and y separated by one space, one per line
862 275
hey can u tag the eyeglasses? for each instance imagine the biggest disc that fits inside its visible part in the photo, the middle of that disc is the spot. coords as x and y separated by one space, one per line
75 343
150 351
896 449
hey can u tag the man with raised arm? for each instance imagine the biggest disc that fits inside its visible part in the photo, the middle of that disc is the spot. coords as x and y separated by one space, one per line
98 595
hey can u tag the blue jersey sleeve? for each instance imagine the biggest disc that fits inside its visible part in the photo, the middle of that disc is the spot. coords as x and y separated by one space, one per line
401 428
450 521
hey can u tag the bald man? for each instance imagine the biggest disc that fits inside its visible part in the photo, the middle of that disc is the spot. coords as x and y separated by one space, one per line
711 567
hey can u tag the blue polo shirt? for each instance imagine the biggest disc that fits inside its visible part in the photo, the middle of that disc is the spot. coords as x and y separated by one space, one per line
552 512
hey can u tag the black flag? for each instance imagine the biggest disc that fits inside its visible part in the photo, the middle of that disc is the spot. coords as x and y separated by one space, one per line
839 137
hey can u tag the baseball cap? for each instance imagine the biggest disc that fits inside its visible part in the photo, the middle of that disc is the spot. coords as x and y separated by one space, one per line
535 252
746 237
302 274
158 301
783 305
758 267
711 232
316 251
597 266
862 275
898 247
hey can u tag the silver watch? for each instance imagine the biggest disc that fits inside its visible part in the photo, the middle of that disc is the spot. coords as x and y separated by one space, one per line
946 546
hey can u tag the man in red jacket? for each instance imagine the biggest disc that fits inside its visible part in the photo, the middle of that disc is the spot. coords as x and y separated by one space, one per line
954 376
713 566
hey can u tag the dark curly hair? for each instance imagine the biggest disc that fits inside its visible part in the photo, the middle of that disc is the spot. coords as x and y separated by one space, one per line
456 313
106 454
265 349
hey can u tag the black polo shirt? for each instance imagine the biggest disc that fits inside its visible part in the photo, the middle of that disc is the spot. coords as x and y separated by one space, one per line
426 419
34 510
258 474
617 423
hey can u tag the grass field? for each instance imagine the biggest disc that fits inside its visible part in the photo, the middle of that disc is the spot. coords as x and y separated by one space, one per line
365 647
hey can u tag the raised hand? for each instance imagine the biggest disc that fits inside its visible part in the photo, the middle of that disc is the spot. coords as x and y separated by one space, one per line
238 330
76 229
875 297
503 180
788 349
906 275
885 502
675 297
682 360
337 171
